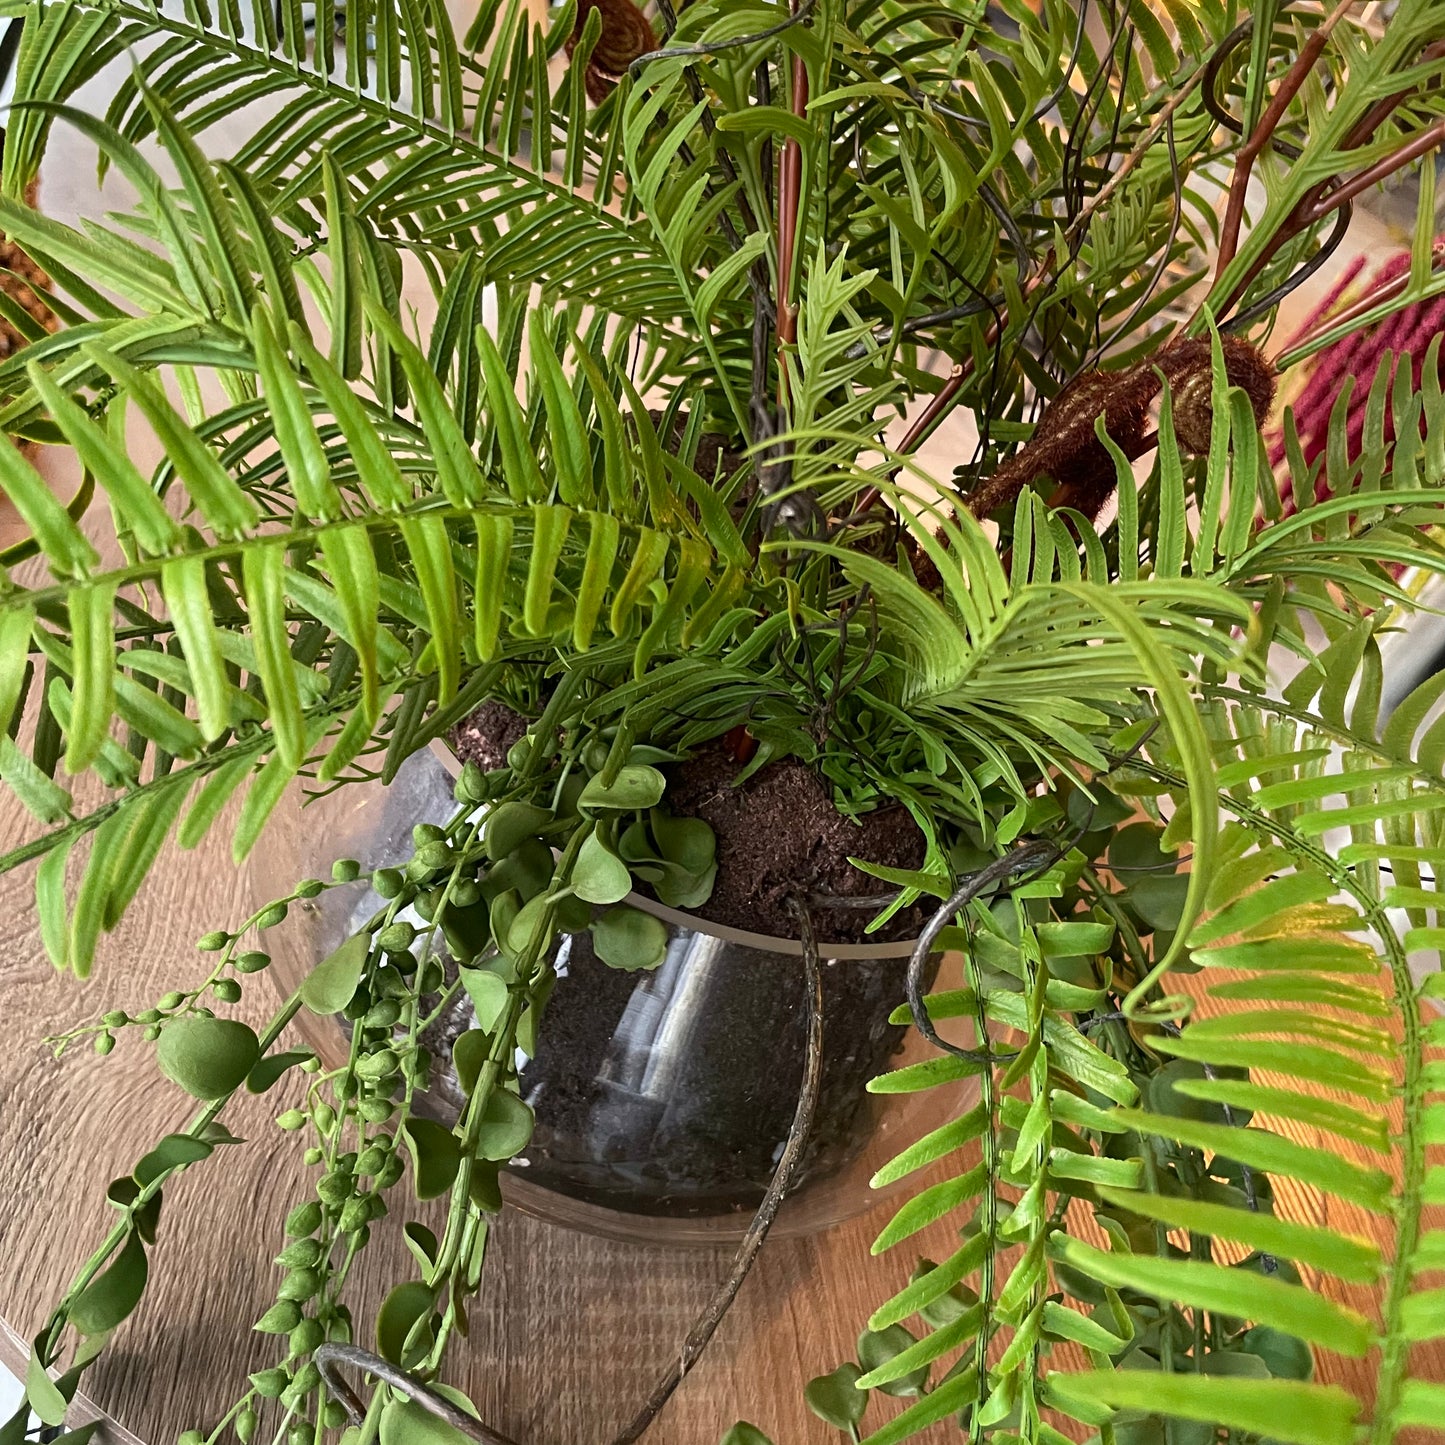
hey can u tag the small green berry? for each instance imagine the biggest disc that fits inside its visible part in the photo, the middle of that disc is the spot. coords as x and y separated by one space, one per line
346 1087
371 1160
275 914
335 1188
172 1000
252 962
291 1120
306 1336
424 833
375 1111
104 1043
380 1065
390 1173
309 887
299 1434
299 1254
245 1425
190 1437
466 892
214 941
270 1383
280 1319
387 882
303 1220
519 754
300 1285
471 786
434 856
152 1033
311 1065
227 990
432 977
346 870
313 1156
148 1016
382 1015
116 1018
324 1116
396 937
334 1416
355 1213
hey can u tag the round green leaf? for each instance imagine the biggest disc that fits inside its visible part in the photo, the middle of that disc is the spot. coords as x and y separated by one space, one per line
505 1128
509 825
877 1347
1286 1356
689 843
836 1398
599 875
435 1156
404 1422
171 1153
266 1071
207 1057
488 993
469 1053
330 985
113 1294
636 786
403 1307
680 889
629 939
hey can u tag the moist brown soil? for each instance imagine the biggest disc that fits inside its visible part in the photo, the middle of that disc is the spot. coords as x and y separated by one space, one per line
486 736
779 837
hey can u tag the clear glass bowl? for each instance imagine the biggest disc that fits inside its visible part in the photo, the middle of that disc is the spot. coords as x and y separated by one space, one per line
662 1099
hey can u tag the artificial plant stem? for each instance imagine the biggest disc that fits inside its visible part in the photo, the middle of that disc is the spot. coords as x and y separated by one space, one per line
1259 138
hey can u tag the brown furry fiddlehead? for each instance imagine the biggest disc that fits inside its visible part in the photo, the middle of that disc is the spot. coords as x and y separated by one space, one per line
1066 450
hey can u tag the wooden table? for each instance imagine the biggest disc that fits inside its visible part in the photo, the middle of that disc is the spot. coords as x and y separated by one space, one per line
570 1332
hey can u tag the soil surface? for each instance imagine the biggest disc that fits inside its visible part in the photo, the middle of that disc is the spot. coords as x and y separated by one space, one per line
486 736
779 836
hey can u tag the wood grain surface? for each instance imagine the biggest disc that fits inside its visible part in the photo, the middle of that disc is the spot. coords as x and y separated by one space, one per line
570 1331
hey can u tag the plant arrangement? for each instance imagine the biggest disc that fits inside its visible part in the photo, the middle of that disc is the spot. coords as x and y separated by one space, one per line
649 479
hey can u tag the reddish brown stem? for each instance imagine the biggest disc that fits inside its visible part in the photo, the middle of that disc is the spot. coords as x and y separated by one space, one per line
790 188
1251 150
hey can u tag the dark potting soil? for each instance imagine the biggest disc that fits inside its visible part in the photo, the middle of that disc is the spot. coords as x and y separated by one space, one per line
779 836
486 736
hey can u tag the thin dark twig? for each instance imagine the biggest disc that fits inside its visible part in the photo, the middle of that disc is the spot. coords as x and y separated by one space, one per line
1029 858
1296 278
1057 93
328 1357
702 51
711 1316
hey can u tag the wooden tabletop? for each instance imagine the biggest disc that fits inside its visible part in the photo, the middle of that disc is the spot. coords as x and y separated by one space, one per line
570 1331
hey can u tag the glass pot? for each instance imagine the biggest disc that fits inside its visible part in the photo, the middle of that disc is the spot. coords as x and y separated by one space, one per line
663 1098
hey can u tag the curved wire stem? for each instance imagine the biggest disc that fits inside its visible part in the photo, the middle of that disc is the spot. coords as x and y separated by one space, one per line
1028 859
330 1358
702 51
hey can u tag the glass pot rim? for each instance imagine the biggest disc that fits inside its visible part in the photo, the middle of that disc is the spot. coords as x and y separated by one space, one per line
764 942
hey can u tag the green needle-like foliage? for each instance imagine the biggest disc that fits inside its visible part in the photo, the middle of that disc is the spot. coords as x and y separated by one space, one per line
649 475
